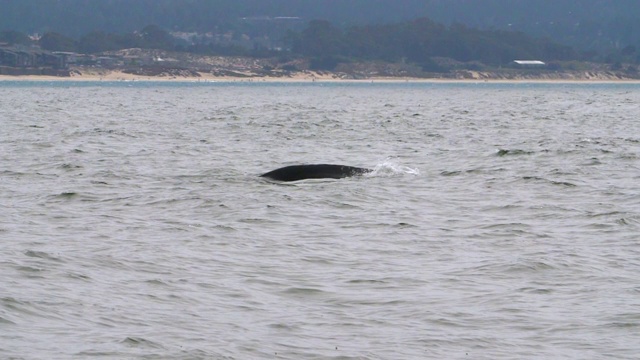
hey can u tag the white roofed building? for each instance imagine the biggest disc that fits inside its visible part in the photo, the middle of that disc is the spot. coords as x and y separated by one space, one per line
535 63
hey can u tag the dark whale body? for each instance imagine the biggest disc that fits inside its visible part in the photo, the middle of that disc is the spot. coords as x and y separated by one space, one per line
315 171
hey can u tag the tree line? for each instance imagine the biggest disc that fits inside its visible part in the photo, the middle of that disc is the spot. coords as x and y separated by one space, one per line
599 25
418 41
150 37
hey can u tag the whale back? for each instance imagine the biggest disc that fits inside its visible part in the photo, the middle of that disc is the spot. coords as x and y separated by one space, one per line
314 171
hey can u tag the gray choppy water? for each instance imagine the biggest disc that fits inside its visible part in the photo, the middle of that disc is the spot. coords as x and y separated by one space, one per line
502 221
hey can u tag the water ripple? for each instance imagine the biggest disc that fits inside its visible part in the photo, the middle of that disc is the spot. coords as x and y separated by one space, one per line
500 221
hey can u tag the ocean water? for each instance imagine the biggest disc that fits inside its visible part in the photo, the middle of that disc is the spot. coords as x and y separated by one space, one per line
501 221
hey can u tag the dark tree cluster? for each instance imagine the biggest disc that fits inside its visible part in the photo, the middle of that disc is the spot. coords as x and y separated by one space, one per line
14 38
418 42
151 37
603 26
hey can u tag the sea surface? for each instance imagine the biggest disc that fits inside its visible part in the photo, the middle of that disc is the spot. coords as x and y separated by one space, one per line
501 221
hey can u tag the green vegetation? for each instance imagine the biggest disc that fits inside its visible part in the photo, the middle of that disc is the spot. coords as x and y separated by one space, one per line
418 42
467 34
14 37
603 26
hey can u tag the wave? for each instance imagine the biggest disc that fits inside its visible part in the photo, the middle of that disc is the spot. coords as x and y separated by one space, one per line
392 168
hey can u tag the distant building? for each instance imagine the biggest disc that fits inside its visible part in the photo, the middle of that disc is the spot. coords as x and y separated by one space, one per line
530 63
30 57
26 60
272 19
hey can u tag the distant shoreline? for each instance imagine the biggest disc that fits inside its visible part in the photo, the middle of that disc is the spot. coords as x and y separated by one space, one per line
156 65
114 76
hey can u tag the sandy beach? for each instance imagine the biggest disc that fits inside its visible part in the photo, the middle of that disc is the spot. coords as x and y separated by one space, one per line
204 77
299 77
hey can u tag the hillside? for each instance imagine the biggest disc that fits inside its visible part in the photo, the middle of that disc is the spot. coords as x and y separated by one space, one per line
362 39
597 25
165 64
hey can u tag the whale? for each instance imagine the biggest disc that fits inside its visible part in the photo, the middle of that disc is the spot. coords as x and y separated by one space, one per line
314 171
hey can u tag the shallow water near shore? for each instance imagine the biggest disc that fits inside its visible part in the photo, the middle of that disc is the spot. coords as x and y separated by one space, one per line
501 221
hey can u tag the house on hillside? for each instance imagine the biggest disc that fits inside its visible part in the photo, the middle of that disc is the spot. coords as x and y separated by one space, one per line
13 57
30 57
26 60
